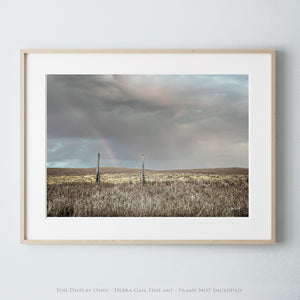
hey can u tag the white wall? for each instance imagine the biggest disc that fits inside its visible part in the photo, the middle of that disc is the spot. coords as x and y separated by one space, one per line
261 271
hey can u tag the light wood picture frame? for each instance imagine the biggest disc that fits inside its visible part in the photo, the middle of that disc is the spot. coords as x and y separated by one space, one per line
45 70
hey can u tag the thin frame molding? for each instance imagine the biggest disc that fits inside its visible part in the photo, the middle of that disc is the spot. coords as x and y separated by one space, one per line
23 54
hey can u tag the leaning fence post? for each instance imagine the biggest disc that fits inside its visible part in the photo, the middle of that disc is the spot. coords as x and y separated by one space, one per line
98 163
143 169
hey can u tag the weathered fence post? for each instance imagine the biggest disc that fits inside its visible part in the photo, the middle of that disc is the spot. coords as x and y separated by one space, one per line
98 174
143 169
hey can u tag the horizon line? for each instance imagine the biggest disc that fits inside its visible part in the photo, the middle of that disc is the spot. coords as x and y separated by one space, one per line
210 168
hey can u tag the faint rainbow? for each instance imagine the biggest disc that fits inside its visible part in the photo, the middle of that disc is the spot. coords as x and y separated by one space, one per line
180 113
105 144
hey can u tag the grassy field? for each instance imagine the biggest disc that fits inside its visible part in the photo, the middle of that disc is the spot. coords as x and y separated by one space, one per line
175 193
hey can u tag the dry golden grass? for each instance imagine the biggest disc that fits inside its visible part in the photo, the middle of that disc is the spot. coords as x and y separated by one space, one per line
182 193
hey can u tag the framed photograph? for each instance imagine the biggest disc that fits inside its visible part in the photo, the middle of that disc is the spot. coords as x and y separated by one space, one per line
148 146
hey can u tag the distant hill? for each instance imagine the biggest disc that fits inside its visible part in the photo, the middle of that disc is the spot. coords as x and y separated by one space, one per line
117 170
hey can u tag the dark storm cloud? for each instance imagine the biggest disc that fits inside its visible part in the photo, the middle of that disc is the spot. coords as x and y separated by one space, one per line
178 121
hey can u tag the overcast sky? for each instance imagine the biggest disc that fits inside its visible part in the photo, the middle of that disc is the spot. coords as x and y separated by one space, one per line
177 121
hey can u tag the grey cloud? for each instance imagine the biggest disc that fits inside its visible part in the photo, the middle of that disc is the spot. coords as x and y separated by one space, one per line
178 120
